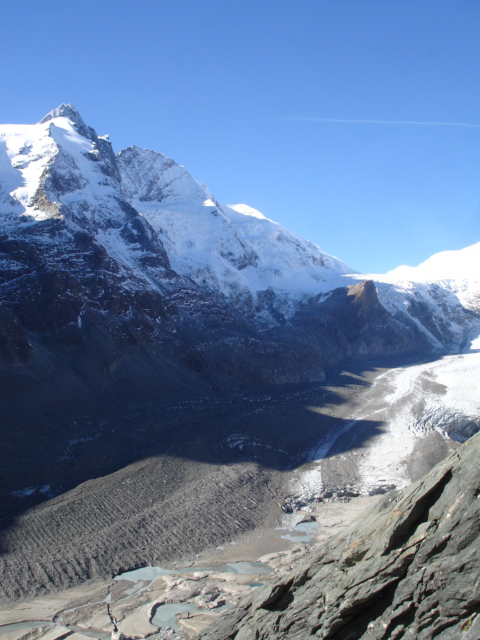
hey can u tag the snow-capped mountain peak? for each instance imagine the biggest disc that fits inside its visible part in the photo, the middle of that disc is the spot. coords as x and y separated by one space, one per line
64 111
234 249
141 206
60 170
142 202
69 112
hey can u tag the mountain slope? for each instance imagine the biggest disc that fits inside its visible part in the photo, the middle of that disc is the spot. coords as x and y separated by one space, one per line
124 282
137 240
232 249
125 263
441 296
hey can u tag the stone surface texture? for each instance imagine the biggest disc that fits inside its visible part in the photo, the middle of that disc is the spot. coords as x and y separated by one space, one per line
409 568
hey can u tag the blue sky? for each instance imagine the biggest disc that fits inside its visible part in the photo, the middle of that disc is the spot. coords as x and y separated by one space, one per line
238 91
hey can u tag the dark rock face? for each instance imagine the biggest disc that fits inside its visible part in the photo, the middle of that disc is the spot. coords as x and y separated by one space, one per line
14 345
407 569
351 321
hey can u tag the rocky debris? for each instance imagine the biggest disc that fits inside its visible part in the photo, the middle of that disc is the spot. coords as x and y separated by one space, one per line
409 567
154 512
303 502
381 489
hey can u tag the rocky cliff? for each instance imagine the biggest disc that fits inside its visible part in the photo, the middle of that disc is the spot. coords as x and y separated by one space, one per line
409 568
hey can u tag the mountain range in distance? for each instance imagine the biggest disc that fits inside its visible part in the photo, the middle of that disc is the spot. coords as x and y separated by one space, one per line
121 274
151 229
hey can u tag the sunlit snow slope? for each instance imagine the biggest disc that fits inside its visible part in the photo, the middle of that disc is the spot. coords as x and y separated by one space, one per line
59 169
233 248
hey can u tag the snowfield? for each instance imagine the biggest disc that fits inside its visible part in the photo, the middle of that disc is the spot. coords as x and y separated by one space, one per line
231 248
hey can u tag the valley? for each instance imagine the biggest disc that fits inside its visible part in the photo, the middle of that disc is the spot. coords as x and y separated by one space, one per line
173 510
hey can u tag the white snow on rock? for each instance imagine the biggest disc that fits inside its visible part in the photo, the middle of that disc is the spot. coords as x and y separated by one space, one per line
233 248
25 151
59 168
447 284
456 274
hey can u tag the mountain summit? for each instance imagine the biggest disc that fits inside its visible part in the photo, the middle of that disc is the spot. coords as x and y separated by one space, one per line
69 112
64 111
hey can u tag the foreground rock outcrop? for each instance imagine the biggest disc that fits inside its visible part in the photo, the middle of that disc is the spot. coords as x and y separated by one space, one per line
408 569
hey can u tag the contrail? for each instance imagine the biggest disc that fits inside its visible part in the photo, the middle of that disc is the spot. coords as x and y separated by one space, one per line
394 122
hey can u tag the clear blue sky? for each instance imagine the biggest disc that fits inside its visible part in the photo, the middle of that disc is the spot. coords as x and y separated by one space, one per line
227 87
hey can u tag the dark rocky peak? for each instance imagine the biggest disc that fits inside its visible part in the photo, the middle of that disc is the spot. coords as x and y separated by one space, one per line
68 111
354 318
363 296
364 292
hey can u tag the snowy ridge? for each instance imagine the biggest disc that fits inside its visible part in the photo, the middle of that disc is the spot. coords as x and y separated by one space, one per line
446 288
457 273
463 264
233 248
140 202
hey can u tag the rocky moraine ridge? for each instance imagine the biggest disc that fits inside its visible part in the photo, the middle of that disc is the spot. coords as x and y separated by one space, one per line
141 320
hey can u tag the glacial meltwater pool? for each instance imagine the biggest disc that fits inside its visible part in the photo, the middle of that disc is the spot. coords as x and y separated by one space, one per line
302 532
149 574
166 614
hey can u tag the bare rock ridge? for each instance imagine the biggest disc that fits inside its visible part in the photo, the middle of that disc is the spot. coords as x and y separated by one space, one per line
408 568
